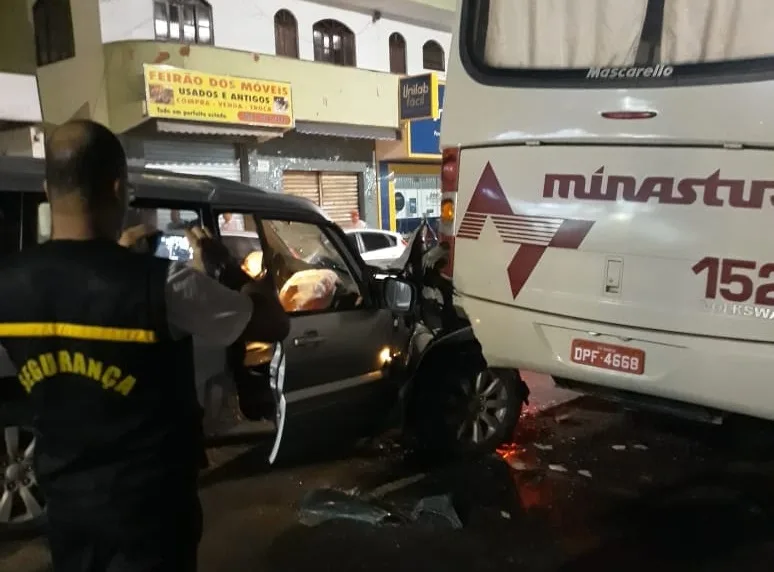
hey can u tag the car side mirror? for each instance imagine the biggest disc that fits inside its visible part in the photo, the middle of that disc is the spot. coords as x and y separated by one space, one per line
399 295
44 222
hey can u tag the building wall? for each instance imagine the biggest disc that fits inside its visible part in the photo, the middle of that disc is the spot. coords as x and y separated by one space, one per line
267 162
17 38
75 88
248 25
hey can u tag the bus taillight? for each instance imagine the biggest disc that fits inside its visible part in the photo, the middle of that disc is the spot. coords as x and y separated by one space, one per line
449 178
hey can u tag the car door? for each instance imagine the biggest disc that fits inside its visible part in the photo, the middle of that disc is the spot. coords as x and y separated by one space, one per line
333 375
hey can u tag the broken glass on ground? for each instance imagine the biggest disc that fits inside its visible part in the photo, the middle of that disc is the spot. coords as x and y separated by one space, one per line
436 511
323 505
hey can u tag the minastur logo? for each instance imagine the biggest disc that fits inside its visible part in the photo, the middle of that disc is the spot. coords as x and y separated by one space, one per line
630 72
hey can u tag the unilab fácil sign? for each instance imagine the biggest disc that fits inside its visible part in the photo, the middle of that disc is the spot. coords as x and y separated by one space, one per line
418 97
174 93
424 135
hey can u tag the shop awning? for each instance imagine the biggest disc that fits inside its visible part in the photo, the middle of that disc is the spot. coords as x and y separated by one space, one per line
19 101
345 130
187 128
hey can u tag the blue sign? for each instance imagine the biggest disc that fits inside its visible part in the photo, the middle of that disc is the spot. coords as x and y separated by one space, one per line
424 135
418 97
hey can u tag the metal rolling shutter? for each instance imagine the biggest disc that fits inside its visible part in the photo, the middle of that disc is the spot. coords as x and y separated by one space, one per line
302 184
194 158
340 194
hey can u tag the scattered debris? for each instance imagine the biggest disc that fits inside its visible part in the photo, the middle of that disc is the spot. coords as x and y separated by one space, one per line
585 473
543 447
518 465
393 486
558 468
323 505
562 417
640 447
436 510
619 447
505 515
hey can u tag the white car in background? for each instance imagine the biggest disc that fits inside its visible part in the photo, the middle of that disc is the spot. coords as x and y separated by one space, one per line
376 244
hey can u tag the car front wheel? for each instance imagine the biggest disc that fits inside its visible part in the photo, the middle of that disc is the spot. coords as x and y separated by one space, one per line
465 408
488 409
22 507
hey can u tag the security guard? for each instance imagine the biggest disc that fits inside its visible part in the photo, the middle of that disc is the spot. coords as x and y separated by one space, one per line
101 337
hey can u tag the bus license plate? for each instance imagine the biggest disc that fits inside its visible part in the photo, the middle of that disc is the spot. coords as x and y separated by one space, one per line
608 356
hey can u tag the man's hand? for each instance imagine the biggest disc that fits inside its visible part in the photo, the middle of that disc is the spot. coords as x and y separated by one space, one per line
209 255
132 235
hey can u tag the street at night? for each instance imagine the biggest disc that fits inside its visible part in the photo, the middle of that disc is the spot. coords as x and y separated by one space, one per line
587 487
303 259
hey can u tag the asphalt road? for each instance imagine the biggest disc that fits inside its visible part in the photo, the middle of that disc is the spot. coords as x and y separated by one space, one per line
586 487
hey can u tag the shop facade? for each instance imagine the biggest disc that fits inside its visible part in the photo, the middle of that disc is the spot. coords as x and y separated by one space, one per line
276 123
331 165
409 170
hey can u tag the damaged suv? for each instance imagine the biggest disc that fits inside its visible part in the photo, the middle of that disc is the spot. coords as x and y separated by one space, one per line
364 344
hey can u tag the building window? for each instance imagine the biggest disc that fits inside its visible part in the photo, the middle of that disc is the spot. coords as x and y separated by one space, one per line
285 34
54 39
186 21
397 53
334 43
433 57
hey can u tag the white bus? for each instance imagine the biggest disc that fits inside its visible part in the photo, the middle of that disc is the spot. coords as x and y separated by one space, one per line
608 190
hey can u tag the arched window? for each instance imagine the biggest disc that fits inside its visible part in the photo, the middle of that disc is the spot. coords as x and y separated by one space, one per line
334 43
187 21
433 57
54 39
397 53
285 34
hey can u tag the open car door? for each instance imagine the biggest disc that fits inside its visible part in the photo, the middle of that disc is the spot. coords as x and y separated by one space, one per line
333 378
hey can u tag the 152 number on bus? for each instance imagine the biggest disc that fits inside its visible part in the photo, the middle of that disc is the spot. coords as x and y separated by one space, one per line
735 280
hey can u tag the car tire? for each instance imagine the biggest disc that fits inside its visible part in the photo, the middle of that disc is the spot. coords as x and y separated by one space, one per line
22 507
464 408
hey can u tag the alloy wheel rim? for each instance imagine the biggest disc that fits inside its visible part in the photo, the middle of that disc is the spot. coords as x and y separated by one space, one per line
487 399
20 497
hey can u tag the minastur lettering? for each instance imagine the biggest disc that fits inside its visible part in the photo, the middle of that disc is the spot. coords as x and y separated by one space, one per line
713 190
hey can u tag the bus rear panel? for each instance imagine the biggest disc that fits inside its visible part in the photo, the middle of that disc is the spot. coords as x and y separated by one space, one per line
611 174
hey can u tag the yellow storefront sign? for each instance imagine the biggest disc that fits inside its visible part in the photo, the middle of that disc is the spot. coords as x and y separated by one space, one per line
174 93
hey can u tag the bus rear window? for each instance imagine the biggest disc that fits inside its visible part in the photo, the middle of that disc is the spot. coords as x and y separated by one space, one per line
616 39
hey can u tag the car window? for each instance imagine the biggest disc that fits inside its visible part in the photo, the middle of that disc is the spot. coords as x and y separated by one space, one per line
310 273
229 221
10 223
241 245
375 241
238 234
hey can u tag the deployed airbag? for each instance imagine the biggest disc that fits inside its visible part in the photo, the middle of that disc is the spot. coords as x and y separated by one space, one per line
309 290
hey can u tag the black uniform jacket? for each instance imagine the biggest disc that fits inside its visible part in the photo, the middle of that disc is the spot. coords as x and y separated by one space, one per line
118 421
